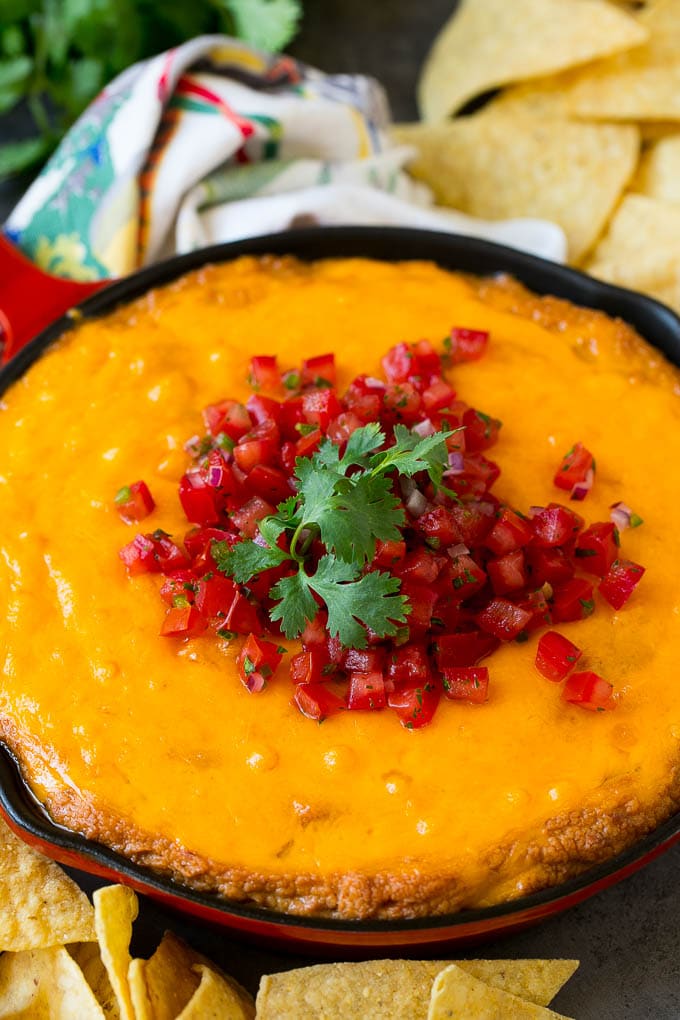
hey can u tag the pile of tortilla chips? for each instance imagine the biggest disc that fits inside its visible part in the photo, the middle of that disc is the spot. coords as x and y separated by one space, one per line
585 130
62 959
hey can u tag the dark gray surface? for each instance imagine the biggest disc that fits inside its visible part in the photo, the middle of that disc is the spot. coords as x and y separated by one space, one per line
628 937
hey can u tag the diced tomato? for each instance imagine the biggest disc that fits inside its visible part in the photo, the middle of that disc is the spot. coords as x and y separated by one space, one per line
341 428
466 648
536 603
364 660
263 409
428 360
465 576
290 416
153 554
397 363
478 475
414 703
315 632
214 596
409 662
257 662
200 501
311 666
466 344
556 656
503 619
551 565
419 567
259 446
387 554
319 407
574 467
134 502
421 601
366 691
270 483
507 573
509 532
473 523
308 444
198 544
364 400
183 621
264 373
180 585
227 416
481 430
555 525
438 527
597 547
620 582
317 701
241 617
438 395
466 683
319 371
251 513
401 402
588 690
572 601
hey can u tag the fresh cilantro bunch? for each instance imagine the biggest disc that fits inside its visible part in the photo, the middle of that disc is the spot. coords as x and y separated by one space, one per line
347 503
55 55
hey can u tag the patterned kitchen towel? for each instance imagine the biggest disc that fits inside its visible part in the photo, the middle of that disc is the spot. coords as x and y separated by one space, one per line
215 141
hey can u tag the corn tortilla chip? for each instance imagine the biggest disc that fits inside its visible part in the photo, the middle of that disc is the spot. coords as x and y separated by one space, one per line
643 84
500 164
39 904
163 985
218 998
456 994
115 908
45 984
623 258
488 43
395 989
658 174
88 958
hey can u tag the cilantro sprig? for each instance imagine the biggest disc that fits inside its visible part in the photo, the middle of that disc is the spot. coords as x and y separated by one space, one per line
347 503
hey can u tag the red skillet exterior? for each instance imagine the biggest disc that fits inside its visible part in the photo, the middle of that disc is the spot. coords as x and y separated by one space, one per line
350 939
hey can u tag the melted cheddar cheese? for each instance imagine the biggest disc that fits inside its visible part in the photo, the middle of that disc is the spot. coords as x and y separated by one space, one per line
153 743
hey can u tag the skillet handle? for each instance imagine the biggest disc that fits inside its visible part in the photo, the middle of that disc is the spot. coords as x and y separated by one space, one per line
30 299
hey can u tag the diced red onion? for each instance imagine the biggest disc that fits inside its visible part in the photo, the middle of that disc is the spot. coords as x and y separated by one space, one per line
488 509
255 683
456 463
417 503
424 428
216 475
376 384
458 550
581 489
533 510
620 514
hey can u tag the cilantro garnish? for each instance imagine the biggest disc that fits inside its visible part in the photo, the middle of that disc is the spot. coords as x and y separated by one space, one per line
347 503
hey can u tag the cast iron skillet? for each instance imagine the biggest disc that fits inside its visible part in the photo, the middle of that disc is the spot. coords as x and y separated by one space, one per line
657 324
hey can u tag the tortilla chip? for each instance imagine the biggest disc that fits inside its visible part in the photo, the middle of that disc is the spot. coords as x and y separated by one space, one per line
652 267
395 989
163 985
218 998
658 174
641 85
39 904
115 908
88 958
45 984
456 993
500 164
488 43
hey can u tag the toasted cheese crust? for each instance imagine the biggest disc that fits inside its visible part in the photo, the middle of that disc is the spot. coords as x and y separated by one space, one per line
154 747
